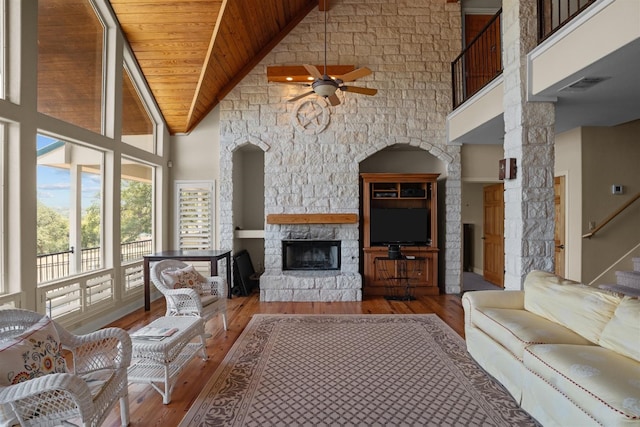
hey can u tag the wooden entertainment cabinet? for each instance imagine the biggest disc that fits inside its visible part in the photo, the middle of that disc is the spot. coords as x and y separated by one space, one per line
415 271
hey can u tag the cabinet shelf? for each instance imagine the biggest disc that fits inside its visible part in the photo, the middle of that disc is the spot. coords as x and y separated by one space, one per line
400 190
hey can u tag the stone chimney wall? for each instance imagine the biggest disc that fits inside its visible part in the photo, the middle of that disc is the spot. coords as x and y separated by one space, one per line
312 150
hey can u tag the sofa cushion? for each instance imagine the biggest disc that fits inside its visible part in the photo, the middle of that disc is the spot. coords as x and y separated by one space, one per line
516 329
583 309
603 383
622 333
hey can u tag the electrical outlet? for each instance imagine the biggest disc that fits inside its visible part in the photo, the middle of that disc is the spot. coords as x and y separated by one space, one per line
592 225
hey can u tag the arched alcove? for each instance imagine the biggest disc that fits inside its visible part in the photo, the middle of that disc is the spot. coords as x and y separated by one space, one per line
248 202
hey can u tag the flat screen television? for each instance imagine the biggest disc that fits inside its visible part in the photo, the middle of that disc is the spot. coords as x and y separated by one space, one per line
400 226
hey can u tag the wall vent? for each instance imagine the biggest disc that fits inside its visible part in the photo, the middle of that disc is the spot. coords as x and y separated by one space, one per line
583 84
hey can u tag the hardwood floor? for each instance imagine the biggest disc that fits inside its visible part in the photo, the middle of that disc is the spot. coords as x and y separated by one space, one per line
145 404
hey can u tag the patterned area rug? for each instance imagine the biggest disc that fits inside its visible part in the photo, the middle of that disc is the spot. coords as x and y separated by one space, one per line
352 370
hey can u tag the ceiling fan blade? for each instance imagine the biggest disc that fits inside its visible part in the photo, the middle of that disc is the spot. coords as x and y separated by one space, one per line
295 98
355 74
362 90
315 73
333 100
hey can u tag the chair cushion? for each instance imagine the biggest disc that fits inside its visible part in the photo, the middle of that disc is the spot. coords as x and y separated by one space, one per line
205 300
33 353
96 380
187 277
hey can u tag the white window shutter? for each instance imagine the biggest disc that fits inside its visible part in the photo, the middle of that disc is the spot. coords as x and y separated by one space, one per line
194 215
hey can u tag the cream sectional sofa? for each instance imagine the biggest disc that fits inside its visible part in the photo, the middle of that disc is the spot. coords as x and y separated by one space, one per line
568 353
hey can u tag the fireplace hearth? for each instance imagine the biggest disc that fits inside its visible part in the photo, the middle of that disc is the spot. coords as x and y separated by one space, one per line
310 255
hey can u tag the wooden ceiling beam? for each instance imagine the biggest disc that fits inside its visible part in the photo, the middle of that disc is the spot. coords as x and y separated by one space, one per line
205 66
194 119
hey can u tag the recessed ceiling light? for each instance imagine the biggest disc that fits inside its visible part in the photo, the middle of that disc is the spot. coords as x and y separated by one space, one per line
310 78
289 79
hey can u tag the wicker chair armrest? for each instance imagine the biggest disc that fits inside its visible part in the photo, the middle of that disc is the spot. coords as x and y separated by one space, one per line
217 286
108 348
189 292
66 395
185 299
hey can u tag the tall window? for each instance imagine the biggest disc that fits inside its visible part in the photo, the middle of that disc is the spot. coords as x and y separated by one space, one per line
136 210
70 62
137 127
69 216
136 220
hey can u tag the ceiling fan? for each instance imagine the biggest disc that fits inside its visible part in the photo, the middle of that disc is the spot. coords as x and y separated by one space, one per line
327 86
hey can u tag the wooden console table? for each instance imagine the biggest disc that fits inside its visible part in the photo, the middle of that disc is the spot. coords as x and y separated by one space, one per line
212 256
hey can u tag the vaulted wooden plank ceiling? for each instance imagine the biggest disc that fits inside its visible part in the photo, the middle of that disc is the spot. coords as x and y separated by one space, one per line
193 52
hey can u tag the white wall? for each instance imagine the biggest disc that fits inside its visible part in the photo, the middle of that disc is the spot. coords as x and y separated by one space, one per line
609 156
568 163
394 161
196 156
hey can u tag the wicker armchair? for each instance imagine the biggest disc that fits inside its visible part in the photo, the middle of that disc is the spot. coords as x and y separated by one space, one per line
206 301
85 395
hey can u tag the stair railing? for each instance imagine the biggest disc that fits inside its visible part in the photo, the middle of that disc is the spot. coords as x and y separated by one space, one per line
630 254
612 216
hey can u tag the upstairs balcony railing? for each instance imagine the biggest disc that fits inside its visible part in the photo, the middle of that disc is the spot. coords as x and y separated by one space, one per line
479 63
553 14
58 265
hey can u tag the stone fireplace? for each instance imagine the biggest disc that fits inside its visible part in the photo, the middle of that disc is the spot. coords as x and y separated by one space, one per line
311 262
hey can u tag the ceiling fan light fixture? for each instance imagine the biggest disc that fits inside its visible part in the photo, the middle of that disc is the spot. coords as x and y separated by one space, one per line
325 88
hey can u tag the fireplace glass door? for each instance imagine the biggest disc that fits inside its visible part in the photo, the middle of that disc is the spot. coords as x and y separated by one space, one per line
308 254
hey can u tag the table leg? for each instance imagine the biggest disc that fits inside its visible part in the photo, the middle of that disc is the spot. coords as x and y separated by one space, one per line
147 291
213 267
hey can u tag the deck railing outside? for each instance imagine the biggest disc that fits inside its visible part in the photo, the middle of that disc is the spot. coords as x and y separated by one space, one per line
553 14
57 265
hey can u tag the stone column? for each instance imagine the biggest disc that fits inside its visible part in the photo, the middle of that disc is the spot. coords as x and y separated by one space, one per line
529 138
453 223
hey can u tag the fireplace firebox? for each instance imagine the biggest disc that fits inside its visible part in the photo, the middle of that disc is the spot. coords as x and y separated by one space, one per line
310 254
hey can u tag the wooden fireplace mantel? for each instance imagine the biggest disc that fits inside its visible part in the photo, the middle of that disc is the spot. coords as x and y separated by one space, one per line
317 218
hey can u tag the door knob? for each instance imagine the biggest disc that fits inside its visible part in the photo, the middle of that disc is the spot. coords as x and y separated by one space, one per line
560 246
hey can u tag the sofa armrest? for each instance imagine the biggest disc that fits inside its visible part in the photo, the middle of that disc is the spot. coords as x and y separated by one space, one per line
493 299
